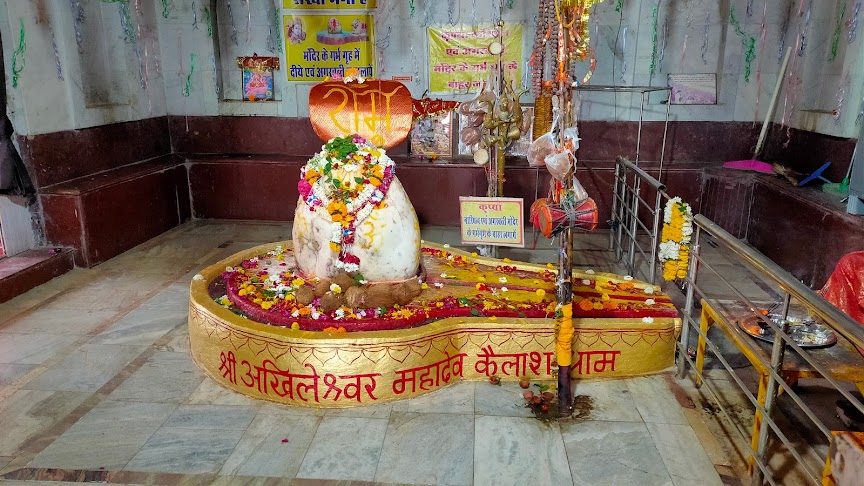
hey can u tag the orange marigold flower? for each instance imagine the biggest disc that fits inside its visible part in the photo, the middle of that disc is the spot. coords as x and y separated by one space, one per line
586 304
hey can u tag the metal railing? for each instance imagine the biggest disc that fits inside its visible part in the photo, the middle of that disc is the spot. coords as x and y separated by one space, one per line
783 344
627 202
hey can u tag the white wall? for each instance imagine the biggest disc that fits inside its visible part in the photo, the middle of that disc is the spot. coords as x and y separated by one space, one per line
43 103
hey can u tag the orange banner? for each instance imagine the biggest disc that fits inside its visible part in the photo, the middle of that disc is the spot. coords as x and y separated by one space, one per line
380 111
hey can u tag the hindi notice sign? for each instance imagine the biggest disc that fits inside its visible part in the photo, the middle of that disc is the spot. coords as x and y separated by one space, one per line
459 58
693 89
492 221
328 4
318 46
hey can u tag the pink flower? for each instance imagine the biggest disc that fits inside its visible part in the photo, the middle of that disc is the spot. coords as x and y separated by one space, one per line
304 188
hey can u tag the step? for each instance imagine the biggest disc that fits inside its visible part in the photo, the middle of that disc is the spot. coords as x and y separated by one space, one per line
24 271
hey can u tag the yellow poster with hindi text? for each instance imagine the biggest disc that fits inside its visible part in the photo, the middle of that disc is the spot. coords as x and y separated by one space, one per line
492 221
328 4
459 58
320 46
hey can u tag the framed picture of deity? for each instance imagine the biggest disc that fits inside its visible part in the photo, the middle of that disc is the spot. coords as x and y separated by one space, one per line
432 136
258 77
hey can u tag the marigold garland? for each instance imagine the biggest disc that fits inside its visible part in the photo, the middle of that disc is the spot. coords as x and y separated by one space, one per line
345 182
675 239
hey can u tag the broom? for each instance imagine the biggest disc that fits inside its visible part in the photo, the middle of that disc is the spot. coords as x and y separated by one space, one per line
754 164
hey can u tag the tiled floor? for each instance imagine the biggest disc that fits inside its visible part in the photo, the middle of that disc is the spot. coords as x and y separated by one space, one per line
96 383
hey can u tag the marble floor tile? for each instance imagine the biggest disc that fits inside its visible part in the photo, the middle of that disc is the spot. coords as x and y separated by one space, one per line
517 450
190 451
217 417
655 401
331 457
612 453
256 481
8 482
28 413
10 373
38 295
60 321
211 393
108 293
262 452
175 297
142 326
610 400
683 456
273 408
177 344
428 448
32 348
167 377
503 400
108 436
87 368
455 398
378 410
264 233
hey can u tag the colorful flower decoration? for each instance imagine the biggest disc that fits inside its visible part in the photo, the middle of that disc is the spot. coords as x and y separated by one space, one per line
345 182
675 239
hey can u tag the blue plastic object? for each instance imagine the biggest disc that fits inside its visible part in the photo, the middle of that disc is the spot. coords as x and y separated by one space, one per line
816 175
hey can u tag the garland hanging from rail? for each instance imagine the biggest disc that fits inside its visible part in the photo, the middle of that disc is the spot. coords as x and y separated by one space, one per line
675 239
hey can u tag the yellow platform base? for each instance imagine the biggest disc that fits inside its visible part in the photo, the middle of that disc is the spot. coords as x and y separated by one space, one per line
321 369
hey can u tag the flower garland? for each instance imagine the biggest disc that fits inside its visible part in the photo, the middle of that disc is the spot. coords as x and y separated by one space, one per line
344 182
675 239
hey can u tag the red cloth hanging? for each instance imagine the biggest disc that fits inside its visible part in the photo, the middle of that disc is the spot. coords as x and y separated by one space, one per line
845 286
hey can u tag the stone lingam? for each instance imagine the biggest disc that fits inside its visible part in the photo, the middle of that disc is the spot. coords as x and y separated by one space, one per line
354 217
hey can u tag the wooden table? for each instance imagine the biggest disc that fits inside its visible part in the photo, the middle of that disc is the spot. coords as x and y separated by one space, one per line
842 361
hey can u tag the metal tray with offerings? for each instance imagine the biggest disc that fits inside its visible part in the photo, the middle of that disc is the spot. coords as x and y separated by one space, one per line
804 330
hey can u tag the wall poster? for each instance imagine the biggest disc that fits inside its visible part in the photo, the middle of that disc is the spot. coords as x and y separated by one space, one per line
328 4
459 58
318 46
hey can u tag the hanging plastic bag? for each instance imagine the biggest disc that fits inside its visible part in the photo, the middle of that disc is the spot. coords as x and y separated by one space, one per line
580 195
476 119
527 120
470 135
541 148
572 134
558 164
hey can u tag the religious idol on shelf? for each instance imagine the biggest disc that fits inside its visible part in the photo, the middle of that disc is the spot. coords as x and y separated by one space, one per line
258 76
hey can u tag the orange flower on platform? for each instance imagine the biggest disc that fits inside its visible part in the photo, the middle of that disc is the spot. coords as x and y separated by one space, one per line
586 304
